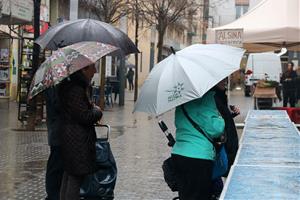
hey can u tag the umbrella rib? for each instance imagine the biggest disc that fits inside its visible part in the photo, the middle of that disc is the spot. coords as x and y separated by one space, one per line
51 42
183 69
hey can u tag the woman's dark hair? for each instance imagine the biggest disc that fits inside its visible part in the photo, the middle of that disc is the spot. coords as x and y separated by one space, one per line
291 63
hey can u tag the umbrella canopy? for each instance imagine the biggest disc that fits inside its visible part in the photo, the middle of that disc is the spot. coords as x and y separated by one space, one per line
66 61
187 75
70 32
129 64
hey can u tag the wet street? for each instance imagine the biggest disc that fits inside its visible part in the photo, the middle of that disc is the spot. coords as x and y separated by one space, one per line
138 145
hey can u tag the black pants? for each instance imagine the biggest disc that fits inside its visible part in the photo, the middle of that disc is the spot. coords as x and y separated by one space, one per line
54 173
289 96
70 187
193 177
130 84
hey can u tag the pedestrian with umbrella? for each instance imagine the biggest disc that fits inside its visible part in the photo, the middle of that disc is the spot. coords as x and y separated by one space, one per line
67 33
78 133
185 81
71 70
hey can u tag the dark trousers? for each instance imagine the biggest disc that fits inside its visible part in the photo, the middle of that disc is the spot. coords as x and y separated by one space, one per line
193 177
130 84
70 187
54 173
289 96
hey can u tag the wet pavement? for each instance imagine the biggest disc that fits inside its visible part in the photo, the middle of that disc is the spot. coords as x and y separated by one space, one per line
137 143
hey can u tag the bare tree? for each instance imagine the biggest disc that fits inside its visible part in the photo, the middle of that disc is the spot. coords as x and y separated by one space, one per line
109 11
135 13
163 13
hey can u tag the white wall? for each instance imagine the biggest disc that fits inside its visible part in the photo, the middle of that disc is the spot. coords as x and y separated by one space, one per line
222 11
253 3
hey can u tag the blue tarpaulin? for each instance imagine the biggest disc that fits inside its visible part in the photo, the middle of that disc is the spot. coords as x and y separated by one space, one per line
267 165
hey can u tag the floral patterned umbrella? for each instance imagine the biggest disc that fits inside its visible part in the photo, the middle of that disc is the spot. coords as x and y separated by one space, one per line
65 61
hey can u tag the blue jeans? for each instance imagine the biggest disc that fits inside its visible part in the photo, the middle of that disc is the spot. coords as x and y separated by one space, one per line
54 173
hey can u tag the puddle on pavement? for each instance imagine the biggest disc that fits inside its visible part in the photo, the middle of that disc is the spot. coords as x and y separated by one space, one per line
116 131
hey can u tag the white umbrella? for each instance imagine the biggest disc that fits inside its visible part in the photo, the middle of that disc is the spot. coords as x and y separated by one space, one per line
186 75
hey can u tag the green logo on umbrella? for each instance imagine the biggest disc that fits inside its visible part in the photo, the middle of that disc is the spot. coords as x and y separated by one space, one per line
175 92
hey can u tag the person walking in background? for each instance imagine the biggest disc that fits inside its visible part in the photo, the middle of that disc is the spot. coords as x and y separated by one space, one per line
288 86
129 76
54 171
116 86
193 153
78 132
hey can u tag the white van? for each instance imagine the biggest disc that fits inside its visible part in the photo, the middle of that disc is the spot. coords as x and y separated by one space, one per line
262 66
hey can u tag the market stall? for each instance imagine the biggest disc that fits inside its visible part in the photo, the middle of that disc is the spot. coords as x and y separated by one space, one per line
265 94
267 165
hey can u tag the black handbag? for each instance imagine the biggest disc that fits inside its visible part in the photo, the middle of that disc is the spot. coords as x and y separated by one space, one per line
101 184
167 167
220 164
170 174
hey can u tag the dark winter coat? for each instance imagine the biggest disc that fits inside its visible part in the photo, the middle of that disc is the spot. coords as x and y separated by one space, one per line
130 75
232 142
53 116
78 131
288 80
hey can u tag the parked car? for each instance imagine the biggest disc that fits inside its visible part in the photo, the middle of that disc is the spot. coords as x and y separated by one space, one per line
261 66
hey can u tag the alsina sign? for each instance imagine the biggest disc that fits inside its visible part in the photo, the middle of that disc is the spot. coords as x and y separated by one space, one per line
232 37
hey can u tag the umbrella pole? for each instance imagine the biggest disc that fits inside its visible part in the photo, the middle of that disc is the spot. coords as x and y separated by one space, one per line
102 83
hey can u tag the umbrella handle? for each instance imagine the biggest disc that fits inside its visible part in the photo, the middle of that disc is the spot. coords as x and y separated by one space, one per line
162 126
168 135
172 49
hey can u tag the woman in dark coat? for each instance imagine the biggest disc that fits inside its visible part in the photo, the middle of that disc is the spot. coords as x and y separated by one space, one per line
78 132
232 142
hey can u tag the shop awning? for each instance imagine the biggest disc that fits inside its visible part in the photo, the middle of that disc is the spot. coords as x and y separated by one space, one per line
270 25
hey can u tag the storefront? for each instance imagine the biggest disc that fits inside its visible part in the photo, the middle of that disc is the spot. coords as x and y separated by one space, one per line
5 66
16 42
13 14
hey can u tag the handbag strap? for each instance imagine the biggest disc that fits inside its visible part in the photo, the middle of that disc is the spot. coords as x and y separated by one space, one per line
195 125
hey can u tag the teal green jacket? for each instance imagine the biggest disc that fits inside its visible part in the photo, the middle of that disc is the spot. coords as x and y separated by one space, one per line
190 142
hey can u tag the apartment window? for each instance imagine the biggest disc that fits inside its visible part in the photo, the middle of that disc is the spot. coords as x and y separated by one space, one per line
240 10
241 7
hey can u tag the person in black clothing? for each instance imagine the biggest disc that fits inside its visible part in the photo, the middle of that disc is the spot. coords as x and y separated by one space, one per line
232 142
289 86
54 172
129 76
228 113
78 134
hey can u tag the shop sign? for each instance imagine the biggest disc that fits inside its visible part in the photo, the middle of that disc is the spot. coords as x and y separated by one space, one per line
4 8
18 9
22 9
232 37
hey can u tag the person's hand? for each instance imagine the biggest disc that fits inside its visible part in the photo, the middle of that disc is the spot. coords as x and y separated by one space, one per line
234 110
97 107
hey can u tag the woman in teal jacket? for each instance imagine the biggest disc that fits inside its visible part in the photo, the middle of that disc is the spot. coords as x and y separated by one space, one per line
193 154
